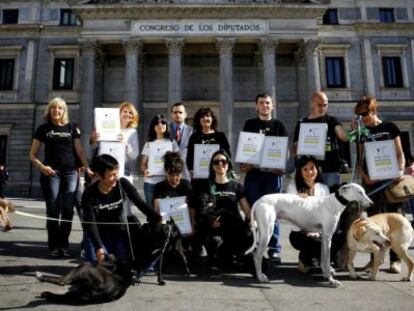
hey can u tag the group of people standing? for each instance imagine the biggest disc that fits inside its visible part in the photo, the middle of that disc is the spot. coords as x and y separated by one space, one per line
109 198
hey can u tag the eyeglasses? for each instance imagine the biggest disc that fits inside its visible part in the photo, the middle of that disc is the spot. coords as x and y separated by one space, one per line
364 114
162 122
218 161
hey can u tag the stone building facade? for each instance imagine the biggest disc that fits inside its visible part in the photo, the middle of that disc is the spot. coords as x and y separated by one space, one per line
219 53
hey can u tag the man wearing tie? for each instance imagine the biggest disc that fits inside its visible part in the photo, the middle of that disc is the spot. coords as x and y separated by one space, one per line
180 132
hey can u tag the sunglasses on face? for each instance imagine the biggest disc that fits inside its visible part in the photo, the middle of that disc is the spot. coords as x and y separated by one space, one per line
364 114
162 122
218 161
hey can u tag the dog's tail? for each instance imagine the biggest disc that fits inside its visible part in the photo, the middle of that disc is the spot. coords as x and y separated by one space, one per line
253 227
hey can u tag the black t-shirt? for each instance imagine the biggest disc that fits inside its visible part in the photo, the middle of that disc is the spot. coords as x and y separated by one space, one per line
272 127
227 198
59 148
108 208
164 190
332 158
209 139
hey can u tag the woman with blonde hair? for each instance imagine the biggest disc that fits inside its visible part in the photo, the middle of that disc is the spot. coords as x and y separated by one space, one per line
129 136
59 174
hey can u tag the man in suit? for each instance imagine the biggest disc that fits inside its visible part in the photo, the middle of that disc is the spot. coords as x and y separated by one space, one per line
180 132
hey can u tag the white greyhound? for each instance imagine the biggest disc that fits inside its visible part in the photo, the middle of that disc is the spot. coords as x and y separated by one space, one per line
316 214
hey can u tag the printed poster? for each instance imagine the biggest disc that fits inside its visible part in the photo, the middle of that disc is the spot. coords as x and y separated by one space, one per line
115 149
274 152
107 123
157 151
381 159
249 148
312 139
177 209
202 158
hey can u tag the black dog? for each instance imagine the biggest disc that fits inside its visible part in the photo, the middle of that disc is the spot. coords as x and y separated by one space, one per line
90 283
153 243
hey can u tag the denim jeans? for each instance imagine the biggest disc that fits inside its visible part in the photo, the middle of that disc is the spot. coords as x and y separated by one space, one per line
115 243
149 191
331 178
258 184
59 192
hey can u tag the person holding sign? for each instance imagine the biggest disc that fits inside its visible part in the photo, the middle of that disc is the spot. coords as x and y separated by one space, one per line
59 175
129 137
331 165
152 163
379 130
228 234
259 182
103 205
205 133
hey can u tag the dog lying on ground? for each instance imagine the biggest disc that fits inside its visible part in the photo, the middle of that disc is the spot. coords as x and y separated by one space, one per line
375 235
153 244
90 283
6 207
314 214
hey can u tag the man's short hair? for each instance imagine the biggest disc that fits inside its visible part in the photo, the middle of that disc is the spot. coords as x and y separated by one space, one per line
176 105
173 162
263 95
103 163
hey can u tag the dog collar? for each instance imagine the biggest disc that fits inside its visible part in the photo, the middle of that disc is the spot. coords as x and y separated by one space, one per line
341 199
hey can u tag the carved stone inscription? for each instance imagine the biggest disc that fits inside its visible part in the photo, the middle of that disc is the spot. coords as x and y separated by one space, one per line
200 27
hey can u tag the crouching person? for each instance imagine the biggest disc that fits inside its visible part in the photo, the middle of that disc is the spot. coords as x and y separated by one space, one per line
228 235
105 214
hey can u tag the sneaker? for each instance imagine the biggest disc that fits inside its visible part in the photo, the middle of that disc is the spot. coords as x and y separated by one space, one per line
302 268
395 267
54 253
66 253
275 258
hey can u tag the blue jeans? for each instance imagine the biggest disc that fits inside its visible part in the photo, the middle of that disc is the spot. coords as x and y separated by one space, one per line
331 178
258 184
149 190
115 243
59 192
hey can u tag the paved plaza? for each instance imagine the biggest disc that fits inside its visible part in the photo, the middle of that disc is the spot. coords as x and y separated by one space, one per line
23 251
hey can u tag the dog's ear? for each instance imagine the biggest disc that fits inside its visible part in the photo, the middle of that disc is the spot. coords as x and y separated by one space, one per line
359 232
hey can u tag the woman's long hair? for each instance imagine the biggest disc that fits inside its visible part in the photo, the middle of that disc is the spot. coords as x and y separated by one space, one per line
152 135
212 173
201 113
56 101
301 186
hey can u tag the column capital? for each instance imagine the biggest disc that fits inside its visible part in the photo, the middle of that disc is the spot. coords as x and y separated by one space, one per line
312 46
225 45
175 46
268 45
88 46
300 54
132 45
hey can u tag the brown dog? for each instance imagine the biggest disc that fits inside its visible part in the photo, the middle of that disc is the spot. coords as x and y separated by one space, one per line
375 235
6 207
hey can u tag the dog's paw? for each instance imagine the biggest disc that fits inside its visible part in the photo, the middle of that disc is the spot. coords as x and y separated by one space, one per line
45 295
405 279
263 278
161 283
354 276
38 275
334 283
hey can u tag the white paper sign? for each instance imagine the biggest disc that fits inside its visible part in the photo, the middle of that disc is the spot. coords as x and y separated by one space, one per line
177 209
381 159
312 139
107 123
115 149
156 153
274 152
202 158
249 147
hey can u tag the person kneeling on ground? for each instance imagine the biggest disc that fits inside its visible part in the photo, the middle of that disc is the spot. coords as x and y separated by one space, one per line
104 212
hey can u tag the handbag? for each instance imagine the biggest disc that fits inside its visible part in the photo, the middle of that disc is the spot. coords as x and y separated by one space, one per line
401 190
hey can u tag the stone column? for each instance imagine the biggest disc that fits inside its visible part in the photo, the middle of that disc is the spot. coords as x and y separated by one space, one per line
175 47
412 53
302 87
312 61
27 88
268 47
368 68
87 96
99 77
225 48
133 49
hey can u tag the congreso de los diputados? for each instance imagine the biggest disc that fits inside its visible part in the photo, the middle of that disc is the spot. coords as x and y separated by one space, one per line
215 53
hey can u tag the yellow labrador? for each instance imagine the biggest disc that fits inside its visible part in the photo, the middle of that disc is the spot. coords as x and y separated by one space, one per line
6 207
375 235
